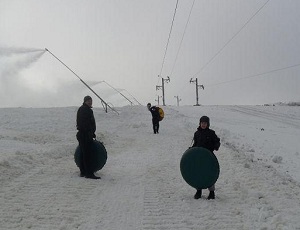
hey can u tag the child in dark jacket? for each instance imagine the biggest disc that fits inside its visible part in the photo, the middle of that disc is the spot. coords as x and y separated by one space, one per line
206 138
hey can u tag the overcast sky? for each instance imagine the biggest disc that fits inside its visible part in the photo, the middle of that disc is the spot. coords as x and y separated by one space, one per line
228 45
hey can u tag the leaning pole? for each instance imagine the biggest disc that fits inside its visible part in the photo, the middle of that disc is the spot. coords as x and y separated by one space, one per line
104 104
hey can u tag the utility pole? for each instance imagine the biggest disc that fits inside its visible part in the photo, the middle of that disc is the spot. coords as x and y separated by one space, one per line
158 99
197 86
178 100
162 86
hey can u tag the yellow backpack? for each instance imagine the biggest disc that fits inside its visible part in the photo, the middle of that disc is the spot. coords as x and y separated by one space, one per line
161 113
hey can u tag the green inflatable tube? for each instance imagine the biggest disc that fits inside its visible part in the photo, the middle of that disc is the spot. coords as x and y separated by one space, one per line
199 167
99 156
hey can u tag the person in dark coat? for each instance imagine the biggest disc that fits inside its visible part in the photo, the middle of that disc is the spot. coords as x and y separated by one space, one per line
206 138
155 117
86 127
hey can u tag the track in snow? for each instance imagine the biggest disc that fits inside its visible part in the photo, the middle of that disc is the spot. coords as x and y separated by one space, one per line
141 186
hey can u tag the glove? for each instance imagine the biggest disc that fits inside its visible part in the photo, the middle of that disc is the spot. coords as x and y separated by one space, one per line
217 146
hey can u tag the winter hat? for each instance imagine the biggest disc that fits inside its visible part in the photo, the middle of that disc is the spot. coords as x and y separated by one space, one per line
86 98
149 105
205 119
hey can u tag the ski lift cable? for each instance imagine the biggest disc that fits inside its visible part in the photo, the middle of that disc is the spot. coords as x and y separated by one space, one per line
166 49
243 78
182 38
230 40
256 75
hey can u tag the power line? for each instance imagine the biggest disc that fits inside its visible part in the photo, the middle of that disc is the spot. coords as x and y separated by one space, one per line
226 44
166 49
256 75
182 37
168 38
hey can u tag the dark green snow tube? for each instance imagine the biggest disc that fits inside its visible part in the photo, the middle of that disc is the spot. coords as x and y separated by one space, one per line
99 155
199 167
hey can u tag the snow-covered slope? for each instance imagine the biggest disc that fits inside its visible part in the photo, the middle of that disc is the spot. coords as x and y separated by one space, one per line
141 185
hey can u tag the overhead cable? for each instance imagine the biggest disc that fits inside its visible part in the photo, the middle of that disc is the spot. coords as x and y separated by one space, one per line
256 75
166 49
226 44
182 38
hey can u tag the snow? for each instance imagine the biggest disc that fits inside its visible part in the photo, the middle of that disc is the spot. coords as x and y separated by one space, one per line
141 185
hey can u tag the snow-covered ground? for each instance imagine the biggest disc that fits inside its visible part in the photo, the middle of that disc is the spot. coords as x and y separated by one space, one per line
141 185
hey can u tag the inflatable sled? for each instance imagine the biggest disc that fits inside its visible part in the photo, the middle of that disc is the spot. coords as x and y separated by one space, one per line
161 114
199 167
99 155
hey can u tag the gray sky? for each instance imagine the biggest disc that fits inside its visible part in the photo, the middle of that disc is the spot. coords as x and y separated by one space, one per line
123 43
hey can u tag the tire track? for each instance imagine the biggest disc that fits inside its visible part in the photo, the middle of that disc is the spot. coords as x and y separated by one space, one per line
44 198
142 188
248 193
246 184
289 120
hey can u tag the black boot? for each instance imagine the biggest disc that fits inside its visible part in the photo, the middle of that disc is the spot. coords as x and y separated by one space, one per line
211 195
82 172
198 194
92 176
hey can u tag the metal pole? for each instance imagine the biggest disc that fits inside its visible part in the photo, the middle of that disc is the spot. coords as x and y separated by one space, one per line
102 101
197 97
118 92
133 97
162 86
177 97
163 91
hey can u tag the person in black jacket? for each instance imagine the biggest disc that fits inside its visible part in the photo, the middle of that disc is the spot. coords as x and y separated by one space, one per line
206 138
86 127
155 117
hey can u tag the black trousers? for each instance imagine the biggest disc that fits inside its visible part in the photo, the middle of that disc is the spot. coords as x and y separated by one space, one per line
85 143
155 123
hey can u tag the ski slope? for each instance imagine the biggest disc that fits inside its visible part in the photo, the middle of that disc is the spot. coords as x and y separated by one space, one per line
141 185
